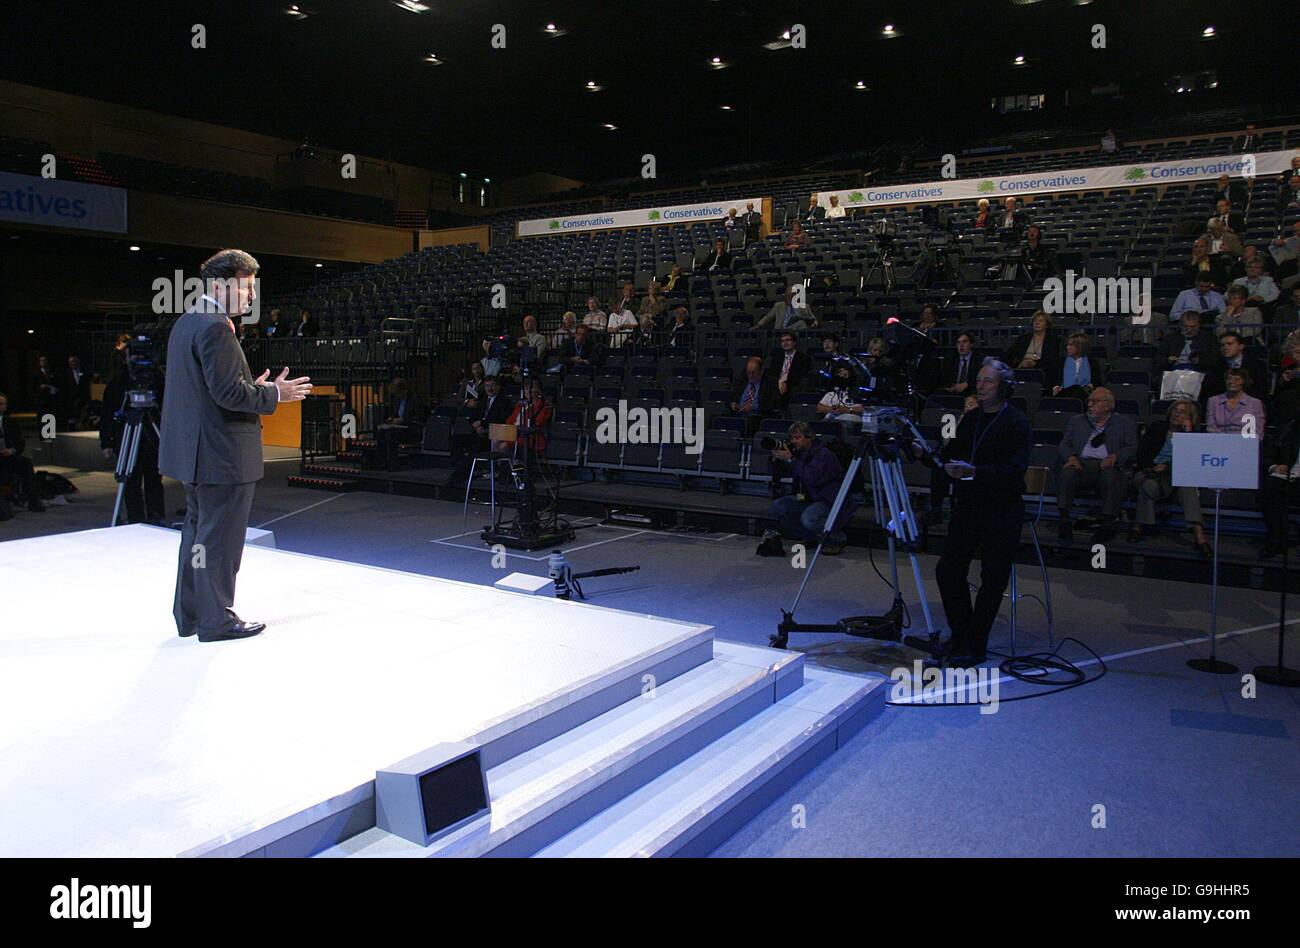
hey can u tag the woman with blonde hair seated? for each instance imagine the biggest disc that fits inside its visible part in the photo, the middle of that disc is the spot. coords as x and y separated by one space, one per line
1154 479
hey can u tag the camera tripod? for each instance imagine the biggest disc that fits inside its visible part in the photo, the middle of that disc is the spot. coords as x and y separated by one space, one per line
893 509
139 405
884 262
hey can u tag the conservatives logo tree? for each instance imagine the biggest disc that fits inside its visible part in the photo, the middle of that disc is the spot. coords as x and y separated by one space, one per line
1134 174
856 197
654 215
985 187
554 225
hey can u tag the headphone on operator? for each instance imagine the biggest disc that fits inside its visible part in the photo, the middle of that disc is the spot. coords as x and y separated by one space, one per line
1006 377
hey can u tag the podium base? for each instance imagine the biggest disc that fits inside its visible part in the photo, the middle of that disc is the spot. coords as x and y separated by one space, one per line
1213 666
1277 675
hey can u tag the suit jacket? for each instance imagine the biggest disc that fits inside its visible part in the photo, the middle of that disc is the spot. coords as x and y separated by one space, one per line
210 430
75 393
498 414
12 434
591 350
948 371
1204 349
1213 383
753 224
799 369
817 213
1121 438
416 412
767 398
309 328
1231 244
721 260
1051 350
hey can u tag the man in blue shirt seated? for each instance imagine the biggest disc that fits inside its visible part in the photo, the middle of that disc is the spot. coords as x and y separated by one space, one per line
1202 298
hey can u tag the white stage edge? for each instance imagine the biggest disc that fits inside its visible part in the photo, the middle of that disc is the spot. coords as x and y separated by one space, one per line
119 738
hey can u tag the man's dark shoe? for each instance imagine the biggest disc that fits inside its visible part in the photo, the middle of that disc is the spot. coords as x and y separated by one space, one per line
1064 531
188 632
243 630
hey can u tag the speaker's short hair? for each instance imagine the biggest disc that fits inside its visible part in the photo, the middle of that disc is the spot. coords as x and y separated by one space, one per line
1006 375
227 264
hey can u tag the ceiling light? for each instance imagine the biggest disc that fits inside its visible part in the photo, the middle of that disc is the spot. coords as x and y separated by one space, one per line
433 60
31 332
1020 60
487 180
134 247
297 12
612 128
717 63
726 108
1209 33
785 35
552 30
890 31
593 86
411 6
320 265
464 175
861 86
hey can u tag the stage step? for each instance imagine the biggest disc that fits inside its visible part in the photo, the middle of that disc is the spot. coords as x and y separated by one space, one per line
700 803
348 456
549 793
328 469
323 482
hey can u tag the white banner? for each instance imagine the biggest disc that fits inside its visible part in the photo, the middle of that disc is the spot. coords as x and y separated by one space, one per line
50 202
641 217
1079 179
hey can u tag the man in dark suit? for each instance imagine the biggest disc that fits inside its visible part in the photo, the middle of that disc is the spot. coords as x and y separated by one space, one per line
754 396
307 325
1097 448
1189 346
957 377
1279 488
753 223
13 466
212 443
47 386
494 407
580 349
404 416
76 391
1232 355
786 368
815 211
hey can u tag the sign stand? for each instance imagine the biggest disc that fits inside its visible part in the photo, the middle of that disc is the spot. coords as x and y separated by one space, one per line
1212 664
1219 462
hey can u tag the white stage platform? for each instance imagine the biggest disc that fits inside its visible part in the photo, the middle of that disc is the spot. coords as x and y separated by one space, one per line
118 738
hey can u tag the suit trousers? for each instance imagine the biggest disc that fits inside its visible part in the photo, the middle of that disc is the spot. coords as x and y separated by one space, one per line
212 546
1152 488
1110 483
993 531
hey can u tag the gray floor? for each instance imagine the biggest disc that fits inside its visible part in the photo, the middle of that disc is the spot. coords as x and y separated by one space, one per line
1183 764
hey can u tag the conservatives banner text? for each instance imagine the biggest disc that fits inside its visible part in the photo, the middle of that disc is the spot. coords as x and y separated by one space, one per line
53 203
641 217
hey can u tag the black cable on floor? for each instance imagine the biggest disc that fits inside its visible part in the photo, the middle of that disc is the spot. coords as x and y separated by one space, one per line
1036 668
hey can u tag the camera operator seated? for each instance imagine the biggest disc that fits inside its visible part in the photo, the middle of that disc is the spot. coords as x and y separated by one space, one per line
404 417
819 475
493 408
1096 448
754 397
14 468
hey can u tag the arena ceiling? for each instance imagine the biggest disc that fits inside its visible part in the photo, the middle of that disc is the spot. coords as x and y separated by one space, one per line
353 74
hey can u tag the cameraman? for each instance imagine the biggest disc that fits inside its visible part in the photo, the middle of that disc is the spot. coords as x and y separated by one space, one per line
144 486
820 474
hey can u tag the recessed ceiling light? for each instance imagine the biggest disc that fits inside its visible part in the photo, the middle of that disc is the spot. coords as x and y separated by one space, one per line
612 128
1209 33
433 60
464 175
487 180
134 247
411 6
890 31
320 265
593 86
861 86
297 12
785 35
31 332
1019 60
552 30
726 108
717 63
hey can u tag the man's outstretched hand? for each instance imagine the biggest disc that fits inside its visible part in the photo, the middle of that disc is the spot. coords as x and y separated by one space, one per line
291 390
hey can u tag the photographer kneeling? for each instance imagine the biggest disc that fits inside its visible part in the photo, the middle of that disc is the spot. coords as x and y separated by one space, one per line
802 518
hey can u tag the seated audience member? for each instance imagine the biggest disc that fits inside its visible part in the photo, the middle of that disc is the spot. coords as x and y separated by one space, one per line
628 300
1037 257
1279 485
831 344
941 485
673 281
784 314
76 393
1154 476
1288 314
1286 394
1189 346
928 321
1284 180
307 325
493 408
532 411
1012 221
1249 254
470 387
1097 446
842 401
643 340
1109 142
1290 196
1232 352
1261 291
719 257
1203 264
654 302
1286 252
582 349
568 329
491 364
752 221
15 469
1239 316
1202 298
1223 243
820 473
1232 411
404 418
595 317
834 212
531 337
273 329
754 397
1226 190
984 217
681 334
621 325
1036 348
731 223
959 371
815 211
1077 373
1224 214
787 367
796 239
878 359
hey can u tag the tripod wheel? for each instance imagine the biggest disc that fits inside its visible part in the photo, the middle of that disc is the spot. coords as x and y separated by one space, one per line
779 640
